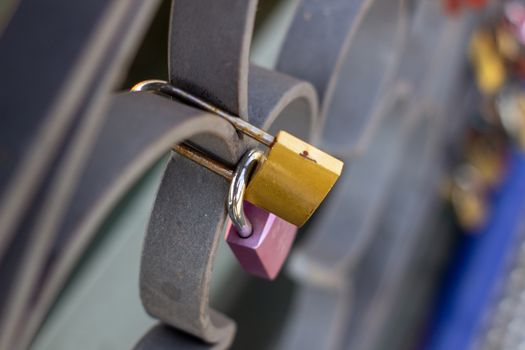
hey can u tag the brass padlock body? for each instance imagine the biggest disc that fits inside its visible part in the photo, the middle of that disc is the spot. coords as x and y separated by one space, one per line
489 65
293 180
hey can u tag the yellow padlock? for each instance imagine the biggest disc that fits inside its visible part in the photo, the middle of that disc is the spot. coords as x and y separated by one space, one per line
467 194
293 178
471 209
487 157
489 65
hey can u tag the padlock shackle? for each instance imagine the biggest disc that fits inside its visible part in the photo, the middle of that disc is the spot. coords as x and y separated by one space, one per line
238 123
235 201
200 158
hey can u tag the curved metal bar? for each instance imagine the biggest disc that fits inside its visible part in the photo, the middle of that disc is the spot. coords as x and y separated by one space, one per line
235 202
239 124
121 155
209 58
170 290
51 137
348 50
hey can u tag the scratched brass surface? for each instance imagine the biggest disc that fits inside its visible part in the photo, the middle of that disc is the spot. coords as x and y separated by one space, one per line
294 179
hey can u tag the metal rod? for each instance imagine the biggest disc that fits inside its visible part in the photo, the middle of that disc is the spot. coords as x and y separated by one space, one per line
201 159
239 124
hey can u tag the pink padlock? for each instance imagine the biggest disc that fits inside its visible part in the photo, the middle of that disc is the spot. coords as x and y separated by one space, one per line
264 252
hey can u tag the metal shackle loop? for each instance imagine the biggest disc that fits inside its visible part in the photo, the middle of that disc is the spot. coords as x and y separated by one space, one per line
239 124
238 185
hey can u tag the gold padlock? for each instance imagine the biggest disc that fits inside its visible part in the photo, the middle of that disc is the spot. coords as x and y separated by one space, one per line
489 65
467 194
464 190
487 156
293 178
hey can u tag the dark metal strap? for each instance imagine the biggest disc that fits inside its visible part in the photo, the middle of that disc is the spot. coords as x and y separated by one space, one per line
209 50
82 50
162 337
369 190
175 281
183 234
49 139
138 130
348 50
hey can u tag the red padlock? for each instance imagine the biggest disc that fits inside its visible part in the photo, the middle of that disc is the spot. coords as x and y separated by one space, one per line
264 252
452 7
476 4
